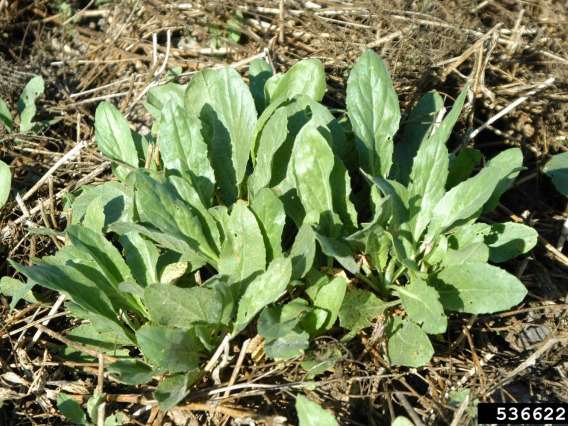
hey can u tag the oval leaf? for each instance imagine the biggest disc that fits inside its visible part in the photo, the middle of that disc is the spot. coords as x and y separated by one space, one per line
307 77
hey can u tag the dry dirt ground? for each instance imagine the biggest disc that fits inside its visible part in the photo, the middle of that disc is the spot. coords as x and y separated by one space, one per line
104 50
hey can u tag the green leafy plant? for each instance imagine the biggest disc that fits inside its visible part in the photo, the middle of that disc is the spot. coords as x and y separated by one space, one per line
244 196
557 170
5 183
26 109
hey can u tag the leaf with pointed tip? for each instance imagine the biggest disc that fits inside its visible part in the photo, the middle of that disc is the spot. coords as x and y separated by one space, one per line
114 138
141 256
509 164
269 212
303 251
264 290
374 112
26 104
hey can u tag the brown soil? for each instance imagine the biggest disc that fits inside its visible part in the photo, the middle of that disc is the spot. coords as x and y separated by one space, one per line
104 51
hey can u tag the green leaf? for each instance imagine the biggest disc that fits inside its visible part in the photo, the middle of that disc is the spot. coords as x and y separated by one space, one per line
93 405
264 290
311 414
5 182
408 345
464 201
173 389
141 256
26 104
158 205
95 216
114 138
199 93
103 252
243 255
17 290
423 307
306 77
557 170
328 298
462 166
169 95
418 127
5 116
184 152
509 240
131 371
374 112
116 198
259 73
182 307
312 163
508 164
107 342
340 250
317 361
71 409
233 28
473 253
271 139
172 349
303 251
467 235
401 421
279 325
359 307
478 288
269 212
232 139
430 171
270 87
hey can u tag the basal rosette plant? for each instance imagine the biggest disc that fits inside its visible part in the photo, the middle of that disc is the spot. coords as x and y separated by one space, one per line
244 196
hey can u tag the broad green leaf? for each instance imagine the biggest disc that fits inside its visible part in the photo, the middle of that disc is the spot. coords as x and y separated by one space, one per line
172 349
401 421
200 92
374 112
114 138
233 28
462 166
439 250
340 190
473 253
141 256
5 182
233 135
5 116
227 292
467 235
464 201
270 87
259 73
131 371
311 414
557 170
79 289
327 298
508 163
418 127
117 200
108 342
423 307
509 240
221 216
303 251
272 137
269 212
339 249
398 194
279 325
103 252
478 288
71 409
184 152
169 95
243 255
17 290
173 389
306 77
408 344
430 171
26 104
359 307
158 205
182 307
312 163
95 216
264 290
261 123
